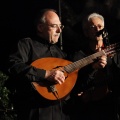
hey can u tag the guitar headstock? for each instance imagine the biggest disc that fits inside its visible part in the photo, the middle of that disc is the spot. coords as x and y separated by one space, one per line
112 49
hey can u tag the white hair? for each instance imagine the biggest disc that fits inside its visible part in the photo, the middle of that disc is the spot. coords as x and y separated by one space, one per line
95 15
87 20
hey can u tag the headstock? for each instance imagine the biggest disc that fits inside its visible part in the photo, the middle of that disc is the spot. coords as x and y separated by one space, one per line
112 49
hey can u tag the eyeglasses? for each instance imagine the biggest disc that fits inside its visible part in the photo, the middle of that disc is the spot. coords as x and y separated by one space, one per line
94 27
55 26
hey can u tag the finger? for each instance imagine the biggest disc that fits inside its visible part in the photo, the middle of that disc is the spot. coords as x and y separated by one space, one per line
61 79
79 94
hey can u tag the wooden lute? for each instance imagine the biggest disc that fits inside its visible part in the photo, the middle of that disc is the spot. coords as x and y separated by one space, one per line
52 91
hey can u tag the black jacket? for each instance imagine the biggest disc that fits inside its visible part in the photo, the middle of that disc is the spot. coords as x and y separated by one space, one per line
28 102
100 98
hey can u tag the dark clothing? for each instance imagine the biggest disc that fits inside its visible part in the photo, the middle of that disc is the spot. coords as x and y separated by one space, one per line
100 88
29 104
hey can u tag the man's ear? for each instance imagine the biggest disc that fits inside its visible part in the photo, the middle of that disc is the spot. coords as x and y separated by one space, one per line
40 27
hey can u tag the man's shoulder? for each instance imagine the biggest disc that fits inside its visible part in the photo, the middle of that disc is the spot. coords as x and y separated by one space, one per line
25 39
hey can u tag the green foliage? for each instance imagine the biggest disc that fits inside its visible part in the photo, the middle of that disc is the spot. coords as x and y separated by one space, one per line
6 107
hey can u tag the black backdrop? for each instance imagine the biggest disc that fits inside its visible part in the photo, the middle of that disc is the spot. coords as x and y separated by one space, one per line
16 21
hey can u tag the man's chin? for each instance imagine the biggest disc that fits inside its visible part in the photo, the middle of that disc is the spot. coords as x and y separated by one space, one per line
54 41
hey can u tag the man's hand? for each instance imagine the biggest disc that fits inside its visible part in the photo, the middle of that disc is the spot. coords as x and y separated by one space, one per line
56 76
101 63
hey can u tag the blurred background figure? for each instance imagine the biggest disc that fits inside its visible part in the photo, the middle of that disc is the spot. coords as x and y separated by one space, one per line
96 93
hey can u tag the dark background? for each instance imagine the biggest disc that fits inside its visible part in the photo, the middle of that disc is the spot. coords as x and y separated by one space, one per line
16 21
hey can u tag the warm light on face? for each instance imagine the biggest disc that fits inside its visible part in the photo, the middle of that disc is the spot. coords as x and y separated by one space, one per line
55 26
96 27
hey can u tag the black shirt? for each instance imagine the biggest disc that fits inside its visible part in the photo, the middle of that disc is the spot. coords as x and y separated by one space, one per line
29 103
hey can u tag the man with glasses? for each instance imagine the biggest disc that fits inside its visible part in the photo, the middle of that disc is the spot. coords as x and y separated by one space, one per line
97 89
30 105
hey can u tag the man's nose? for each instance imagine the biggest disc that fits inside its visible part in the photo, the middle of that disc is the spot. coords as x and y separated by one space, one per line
58 30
